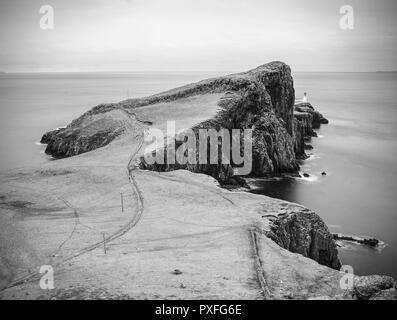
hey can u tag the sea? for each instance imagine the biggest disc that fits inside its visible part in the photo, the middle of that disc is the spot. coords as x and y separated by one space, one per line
357 149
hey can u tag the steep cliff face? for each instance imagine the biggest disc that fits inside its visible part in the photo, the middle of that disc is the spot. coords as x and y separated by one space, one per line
250 108
305 120
302 231
264 104
87 133
269 116
374 287
306 109
277 79
261 99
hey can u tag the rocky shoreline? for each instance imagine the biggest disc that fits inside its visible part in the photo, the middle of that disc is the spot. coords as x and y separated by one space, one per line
261 99
371 242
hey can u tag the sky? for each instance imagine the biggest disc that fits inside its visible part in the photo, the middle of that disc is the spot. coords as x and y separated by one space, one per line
193 35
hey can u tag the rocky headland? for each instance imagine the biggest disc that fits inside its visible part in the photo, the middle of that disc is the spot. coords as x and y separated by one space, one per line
224 244
261 99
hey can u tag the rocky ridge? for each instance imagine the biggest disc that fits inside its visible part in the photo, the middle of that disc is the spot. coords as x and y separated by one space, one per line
296 232
306 120
261 99
302 231
280 129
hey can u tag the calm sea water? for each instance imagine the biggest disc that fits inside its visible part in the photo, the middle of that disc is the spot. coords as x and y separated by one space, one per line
31 104
357 149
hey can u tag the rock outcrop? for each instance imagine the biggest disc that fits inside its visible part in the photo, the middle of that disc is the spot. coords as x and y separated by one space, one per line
261 99
390 294
366 287
371 242
87 133
306 108
306 119
302 231
250 108
267 107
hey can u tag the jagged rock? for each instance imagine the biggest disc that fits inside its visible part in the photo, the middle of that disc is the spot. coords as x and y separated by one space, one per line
69 144
177 272
390 294
302 231
46 138
87 133
306 119
303 109
265 105
236 181
324 121
372 242
367 286
261 99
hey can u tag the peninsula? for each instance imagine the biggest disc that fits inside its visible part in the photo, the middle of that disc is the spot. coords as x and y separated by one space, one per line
115 227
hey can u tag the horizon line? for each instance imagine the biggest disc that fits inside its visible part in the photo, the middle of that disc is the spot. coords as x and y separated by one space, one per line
180 71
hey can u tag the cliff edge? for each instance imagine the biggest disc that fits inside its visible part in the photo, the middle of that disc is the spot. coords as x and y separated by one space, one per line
225 245
261 99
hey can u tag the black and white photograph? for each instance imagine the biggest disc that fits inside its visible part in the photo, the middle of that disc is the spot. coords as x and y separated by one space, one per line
224 151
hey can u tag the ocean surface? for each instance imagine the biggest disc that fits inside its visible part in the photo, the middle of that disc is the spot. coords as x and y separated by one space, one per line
358 149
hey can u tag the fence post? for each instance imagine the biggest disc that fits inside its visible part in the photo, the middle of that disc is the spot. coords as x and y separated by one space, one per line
104 242
122 202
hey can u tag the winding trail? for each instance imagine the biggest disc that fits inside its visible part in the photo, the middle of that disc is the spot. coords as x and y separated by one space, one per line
136 192
30 277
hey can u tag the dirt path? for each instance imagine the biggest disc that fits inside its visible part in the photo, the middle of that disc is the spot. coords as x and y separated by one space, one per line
31 276
186 223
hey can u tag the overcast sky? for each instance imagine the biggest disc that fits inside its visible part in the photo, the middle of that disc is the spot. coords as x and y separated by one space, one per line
219 35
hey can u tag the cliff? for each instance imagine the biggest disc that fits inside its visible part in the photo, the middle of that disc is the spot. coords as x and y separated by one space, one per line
265 103
306 119
225 245
302 231
261 99
89 132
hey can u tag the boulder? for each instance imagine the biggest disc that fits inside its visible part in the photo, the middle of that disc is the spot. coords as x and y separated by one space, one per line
302 231
367 286
372 242
390 294
304 109
87 133
306 119
46 138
